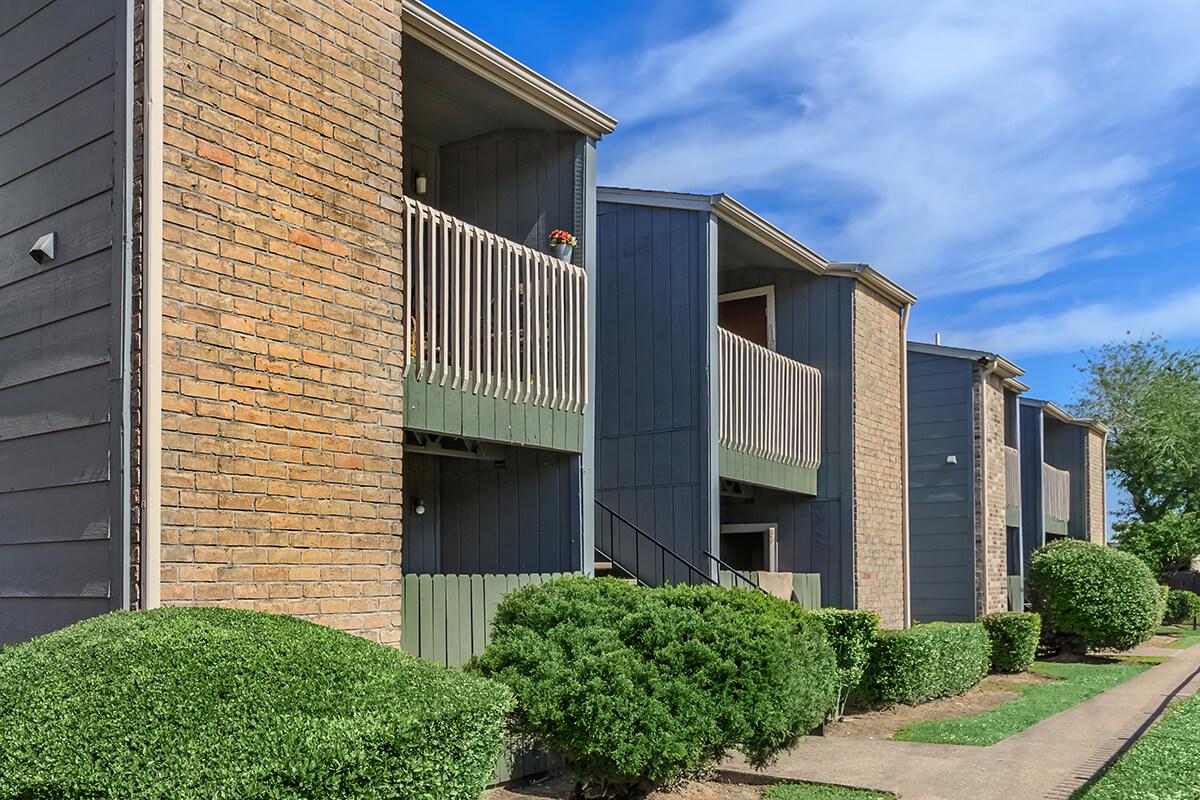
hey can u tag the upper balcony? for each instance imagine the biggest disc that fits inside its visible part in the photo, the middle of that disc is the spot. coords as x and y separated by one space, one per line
770 417
1056 499
495 345
1012 486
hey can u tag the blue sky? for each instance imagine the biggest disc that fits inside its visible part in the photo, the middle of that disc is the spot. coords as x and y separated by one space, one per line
1030 170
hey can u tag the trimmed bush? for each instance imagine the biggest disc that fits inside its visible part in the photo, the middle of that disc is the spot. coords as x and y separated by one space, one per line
191 703
938 659
852 636
1182 606
640 688
1014 636
1092 596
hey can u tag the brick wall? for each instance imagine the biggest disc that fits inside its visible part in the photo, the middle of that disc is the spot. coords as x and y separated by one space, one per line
1097 527
282 440
878 457
991 532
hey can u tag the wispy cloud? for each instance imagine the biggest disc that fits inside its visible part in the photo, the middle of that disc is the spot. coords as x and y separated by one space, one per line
970 144
1175 316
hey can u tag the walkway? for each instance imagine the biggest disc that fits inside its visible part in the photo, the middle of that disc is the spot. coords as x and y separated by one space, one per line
1049 760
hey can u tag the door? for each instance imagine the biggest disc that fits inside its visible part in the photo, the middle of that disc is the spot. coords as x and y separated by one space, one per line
750 314
750 548
64 338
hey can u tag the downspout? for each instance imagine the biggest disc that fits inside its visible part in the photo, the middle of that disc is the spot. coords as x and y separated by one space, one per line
983 467
907 566
152 240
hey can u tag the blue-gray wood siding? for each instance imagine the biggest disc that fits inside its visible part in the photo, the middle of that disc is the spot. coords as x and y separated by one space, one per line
520 516
941 495
653 452
1064 448
64 137
813 324
518 184
1033 523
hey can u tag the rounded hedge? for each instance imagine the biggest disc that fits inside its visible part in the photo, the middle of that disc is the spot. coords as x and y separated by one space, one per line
937 659
1014 636
1182 606
191 703
1092 596
640 688
852 634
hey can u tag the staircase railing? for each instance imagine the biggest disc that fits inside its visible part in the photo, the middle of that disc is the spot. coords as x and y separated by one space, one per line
636 553
738 578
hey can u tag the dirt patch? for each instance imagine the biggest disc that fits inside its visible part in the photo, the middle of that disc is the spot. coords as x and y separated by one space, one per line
560 789
883 723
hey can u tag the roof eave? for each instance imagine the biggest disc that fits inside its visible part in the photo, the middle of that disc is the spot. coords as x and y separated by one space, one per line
876 280
485 60
758 228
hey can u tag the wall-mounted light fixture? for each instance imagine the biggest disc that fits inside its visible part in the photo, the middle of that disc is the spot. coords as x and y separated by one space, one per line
422 183
951 459
419 506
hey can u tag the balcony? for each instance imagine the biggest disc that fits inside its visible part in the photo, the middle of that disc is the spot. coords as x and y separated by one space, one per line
770 417
495 345
1012 486
1056 499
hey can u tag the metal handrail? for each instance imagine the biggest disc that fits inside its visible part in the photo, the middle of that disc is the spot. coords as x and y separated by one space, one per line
734 572
659 551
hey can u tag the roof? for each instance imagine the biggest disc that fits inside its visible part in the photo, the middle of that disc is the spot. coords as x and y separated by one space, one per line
1057 412
1006 369
465 48
728 210
876 280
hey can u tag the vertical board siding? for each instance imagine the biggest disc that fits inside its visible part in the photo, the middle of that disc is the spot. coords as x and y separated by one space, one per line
1066 449
1033 523
941 495
653 454
813 325
63 393
520 515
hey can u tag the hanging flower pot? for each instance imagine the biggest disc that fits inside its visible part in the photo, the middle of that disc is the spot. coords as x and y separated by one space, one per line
562 245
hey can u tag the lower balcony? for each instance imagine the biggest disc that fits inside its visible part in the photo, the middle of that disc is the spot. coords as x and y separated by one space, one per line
770 417
1056 499
496 334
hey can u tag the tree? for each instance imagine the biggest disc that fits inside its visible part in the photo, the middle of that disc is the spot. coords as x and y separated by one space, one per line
1167 545
1149 397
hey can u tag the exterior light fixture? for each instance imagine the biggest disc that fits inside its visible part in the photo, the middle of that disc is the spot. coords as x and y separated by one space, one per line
419 507
422 183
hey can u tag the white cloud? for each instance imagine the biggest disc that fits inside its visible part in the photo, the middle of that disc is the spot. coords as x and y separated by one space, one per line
973 144
1176 315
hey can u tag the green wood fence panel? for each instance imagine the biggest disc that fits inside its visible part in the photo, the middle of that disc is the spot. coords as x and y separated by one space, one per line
1016 593
806 586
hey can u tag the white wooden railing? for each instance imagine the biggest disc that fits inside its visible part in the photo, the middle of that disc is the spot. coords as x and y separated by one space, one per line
1012 477
1056 493
490 316
770 405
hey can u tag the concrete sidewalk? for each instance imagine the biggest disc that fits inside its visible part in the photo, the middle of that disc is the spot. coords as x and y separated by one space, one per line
1048 760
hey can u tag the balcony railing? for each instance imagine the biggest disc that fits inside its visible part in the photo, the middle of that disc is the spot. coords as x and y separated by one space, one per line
1056 493
1012 477
489 316
770 404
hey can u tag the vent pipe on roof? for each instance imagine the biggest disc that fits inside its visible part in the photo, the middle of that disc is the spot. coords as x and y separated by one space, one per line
937 339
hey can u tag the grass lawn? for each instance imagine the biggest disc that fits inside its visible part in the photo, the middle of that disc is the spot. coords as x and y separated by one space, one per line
1073 684
815 791
1163 765
1187 636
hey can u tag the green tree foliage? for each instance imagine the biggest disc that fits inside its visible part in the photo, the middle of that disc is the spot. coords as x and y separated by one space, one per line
1149 397
1167 544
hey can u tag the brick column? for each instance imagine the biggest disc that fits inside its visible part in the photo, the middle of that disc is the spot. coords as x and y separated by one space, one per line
282 437
991 530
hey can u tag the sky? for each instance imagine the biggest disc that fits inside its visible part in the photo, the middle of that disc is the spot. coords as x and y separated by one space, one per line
1030 170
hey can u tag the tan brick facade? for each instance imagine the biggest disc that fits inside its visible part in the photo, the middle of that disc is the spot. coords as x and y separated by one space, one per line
991 532
282 439
878 457
1094 459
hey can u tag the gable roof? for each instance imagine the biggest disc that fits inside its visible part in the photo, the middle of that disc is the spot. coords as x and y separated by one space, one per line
1058 413
1006 369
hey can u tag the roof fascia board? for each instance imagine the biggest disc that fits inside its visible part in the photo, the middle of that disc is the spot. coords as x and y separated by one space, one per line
649 197
468 50
758 228
876 280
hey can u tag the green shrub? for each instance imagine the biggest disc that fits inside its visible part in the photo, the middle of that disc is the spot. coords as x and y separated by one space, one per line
1092 596
1182 606
638 688
190 703
938 659
1164 596
1014 636
852 635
